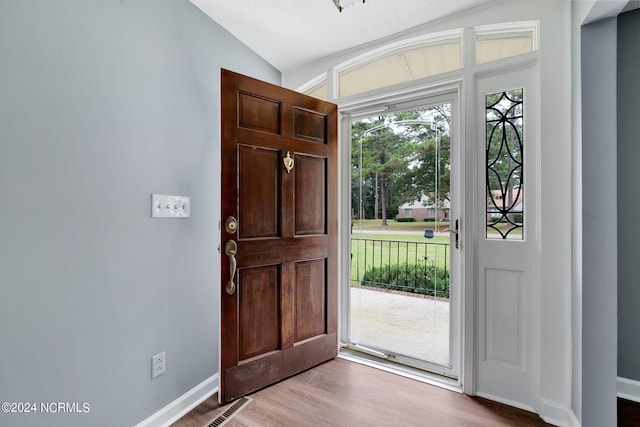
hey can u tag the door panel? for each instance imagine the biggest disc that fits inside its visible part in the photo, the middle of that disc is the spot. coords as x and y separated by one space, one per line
310 195
259 315
279 316
258 113
310 299
310 126
259 192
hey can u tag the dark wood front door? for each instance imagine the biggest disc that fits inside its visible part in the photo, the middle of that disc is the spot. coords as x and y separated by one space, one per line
279 183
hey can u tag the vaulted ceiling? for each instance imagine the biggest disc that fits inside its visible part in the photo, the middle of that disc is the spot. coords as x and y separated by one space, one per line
292 33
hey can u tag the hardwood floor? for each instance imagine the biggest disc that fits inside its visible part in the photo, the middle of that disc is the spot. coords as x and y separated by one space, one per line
343 393
628 413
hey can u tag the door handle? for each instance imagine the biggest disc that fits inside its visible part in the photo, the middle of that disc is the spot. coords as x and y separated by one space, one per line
455 231
231 248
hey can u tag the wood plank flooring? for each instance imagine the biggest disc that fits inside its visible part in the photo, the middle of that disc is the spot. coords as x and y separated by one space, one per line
344 393
628 413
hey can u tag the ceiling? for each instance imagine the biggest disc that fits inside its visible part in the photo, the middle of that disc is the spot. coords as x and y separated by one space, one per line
292 33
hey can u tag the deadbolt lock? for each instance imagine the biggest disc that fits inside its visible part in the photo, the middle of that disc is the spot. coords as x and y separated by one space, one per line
231 225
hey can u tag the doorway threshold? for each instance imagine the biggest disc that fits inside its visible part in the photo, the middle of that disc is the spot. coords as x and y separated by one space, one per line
402 370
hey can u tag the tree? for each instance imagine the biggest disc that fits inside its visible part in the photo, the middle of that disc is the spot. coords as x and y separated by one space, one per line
396 157
385 156
430 168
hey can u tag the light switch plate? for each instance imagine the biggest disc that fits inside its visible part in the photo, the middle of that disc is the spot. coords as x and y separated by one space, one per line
166 206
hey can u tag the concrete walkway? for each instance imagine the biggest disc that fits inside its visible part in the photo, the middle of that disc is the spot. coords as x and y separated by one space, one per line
413 325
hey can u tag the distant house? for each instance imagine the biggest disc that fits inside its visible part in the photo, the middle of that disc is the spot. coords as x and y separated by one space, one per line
515 199
425 208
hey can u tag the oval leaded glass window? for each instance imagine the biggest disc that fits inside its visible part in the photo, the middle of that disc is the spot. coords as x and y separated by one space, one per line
505 166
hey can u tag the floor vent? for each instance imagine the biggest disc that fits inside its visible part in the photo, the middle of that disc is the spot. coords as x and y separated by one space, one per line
231 412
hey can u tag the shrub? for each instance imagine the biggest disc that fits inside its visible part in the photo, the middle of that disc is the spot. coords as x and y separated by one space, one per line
405 219
430 219
418 279
517 218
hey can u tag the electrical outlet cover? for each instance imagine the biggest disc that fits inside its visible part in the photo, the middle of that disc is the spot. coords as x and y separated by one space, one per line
158 364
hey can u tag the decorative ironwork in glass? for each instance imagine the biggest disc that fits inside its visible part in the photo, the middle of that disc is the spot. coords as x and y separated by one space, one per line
504 154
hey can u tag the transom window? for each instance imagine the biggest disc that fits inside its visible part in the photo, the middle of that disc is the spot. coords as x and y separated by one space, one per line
423 57
401 66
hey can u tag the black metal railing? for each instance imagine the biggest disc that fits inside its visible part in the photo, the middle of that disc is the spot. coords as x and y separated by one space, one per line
416 267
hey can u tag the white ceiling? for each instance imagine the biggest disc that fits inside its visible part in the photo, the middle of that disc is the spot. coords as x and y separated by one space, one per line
292 33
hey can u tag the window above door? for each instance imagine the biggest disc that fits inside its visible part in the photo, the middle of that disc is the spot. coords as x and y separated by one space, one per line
423 57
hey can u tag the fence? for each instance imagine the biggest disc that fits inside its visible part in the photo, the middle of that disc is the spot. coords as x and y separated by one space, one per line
415 267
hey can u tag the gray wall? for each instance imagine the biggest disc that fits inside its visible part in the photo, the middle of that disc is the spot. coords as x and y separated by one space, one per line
628 191
101 104
599 227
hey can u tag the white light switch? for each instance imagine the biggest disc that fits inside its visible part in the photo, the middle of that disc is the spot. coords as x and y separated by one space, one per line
165 206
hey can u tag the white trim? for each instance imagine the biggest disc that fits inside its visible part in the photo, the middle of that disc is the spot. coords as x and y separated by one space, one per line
511 28
183 404
469 225
506 65
557 415
629 389
313 84
403 371
379 102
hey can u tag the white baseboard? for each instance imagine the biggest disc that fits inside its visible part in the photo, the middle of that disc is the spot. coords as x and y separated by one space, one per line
558 415
183 404
629 389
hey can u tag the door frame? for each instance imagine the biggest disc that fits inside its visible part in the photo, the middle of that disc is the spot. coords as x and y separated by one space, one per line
414 96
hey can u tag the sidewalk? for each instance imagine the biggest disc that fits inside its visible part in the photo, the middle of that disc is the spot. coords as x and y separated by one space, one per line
412 325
